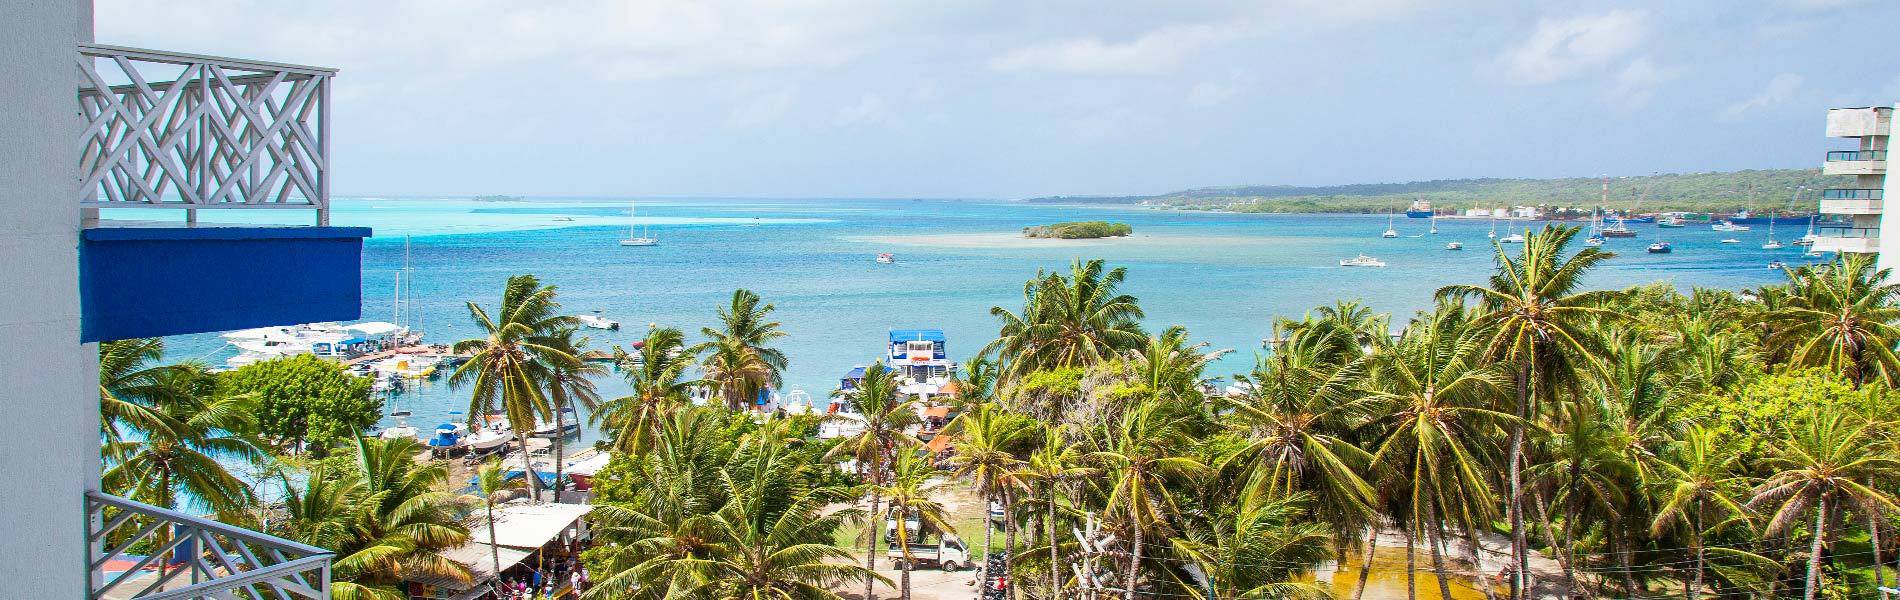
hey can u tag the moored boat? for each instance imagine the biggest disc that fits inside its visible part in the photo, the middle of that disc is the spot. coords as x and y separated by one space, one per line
1419 209
885 258
598 321
1661 248
568 424
1455 246
1361 261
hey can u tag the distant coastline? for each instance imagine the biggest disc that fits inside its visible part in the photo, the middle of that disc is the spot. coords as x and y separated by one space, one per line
1753 190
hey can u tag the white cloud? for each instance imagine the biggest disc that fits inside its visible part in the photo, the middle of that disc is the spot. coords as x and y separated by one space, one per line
760 109
1561 49
1779 90
1210 93
1156 51
869 109
1636 83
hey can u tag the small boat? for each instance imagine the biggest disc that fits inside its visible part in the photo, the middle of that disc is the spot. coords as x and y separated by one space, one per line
1807 240
1728 226
400 431
1771 245
1434 230
1362 261
1389 231
1777 265
1515 238
1670 223
1811 253
1618 230
1661 248
640 238
1731 241
885 258
568 425
449 436
1593 241
488 438
1455 246
597 321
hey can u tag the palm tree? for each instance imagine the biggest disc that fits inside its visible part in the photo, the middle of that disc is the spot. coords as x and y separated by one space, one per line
511 366
1069 321
1841 318
678 481
987 440
383 518
130 386
1054 464
490 480
976 382
1255 552
1824 465
739 358
179 444
570 387
909 491
1295 416
1140 457
1170 368
1436 452
1539 324
658 378
885 414
1697 482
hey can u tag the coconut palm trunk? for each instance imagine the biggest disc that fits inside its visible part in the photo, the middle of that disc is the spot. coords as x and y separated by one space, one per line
527 466
989 534
1557 550
1134 565
1009 534
1873 545
1520 545
1365 562
1438 555
560 456
494 549
1049 526
903 546
876 524
1814 550
1411 563
1694 590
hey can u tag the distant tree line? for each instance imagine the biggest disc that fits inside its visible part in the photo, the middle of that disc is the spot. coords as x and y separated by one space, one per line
1074 230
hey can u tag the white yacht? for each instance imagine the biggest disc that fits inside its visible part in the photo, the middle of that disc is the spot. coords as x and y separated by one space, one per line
1729 226
1389 231
1362 261
885 258
640 237
1515 238
402 429
1455 246
597 321
1772 244
1736 241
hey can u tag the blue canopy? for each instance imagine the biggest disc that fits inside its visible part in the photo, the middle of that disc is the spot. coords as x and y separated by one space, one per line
855 373
916 335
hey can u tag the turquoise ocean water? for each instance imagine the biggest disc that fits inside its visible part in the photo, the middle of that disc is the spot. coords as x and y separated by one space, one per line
1223 276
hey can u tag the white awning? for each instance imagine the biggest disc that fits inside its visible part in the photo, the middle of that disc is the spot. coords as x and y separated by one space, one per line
480 560
527 526
587 467
374 327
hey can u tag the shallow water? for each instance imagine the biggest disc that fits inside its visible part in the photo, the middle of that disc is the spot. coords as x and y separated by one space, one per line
1386 580
1224 276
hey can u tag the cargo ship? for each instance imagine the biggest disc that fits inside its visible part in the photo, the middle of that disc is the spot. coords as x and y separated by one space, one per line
1419 209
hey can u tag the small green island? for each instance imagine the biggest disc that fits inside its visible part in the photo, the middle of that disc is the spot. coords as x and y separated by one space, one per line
1079 230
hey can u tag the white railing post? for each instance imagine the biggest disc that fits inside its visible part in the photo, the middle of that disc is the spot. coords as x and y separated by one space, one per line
216 559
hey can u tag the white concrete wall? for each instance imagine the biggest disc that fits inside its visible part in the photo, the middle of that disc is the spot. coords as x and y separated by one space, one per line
1890 221
48 380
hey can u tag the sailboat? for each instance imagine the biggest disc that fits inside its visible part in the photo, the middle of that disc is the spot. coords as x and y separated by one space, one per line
1494 227
1772 244
1434 224
1389 231
1807 240
1596 229
639 238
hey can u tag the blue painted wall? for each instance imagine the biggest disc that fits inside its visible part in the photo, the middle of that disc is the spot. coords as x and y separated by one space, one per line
154 281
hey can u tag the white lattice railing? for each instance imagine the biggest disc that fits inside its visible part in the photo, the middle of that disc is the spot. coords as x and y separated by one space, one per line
185 556
189 131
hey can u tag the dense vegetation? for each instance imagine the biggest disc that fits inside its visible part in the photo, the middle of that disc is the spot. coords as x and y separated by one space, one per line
1758 190
304 401
1648 442
1079 230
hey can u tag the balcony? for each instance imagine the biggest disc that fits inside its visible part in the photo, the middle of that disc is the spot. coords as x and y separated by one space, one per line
192 557
1855 162
1860 122
169 130
1858 240
1850 201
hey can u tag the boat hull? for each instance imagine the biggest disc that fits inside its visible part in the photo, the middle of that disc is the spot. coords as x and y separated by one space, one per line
1418 214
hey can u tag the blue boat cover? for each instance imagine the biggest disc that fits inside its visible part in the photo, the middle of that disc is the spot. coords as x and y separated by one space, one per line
919 335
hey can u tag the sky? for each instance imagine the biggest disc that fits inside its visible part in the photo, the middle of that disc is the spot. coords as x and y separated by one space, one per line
994 99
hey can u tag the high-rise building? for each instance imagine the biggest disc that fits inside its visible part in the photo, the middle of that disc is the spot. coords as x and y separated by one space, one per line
1855 223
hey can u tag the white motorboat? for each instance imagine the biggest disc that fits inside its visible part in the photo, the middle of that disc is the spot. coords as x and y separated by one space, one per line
1734 241
1515 238
637 238
568 424
1593 241
1771 245
1455 246
1728 226
489 438
598 321
885 258
449 436
1777 265
1362 261
400 431
407 366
